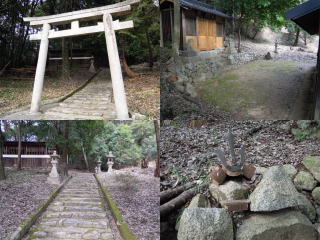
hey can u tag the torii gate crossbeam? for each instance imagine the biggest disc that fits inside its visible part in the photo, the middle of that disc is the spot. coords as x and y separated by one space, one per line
108 26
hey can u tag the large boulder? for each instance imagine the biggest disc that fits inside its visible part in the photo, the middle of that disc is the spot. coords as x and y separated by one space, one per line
205 223
283 225
312 163
230 190
305 181
276 191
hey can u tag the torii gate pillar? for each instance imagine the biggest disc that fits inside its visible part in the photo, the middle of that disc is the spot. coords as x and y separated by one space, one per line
40 71
115 68
108 26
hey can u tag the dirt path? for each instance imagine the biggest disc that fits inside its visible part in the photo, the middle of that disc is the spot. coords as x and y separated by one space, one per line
262 90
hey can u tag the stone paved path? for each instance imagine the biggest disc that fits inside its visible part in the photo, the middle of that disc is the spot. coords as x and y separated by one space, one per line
92 102
76 213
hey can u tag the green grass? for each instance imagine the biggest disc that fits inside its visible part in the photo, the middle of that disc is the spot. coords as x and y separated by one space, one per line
234 90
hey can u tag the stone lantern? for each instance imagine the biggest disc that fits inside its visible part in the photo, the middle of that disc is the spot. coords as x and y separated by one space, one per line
54 177
98 166
110 162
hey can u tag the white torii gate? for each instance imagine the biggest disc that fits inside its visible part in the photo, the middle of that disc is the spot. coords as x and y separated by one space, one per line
108 26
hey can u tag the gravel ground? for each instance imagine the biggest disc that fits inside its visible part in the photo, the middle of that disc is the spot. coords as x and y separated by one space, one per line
20 194
188 153
305 54
136 193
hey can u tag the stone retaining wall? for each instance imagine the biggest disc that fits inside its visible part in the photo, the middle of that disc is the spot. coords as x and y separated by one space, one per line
201 66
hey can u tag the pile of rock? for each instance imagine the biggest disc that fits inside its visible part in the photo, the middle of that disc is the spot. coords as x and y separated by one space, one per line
283 206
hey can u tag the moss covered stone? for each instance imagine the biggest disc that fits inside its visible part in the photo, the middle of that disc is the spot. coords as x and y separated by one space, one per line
305 181
316 194
290 170
312 163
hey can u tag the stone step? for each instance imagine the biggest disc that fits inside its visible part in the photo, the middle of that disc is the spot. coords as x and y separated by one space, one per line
90 98
78 199
81 191
74 203
70 116
75 208
73 232
93 103
78 195
83 223
78 111
73 215
82 111
84 106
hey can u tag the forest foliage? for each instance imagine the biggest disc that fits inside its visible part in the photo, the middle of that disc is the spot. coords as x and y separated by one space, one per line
139 44
131 142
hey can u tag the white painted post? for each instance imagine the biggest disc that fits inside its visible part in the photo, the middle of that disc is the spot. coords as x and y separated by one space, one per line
41 68
115 68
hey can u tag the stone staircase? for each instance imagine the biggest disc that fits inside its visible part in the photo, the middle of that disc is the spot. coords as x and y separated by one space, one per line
93 102
76 213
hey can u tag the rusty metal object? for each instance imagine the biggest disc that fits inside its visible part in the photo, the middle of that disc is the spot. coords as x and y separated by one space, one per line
248 171
236 205
217 175
235 166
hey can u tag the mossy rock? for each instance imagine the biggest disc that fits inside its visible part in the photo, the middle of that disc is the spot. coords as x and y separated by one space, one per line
290 170
312 163
316 194
305 181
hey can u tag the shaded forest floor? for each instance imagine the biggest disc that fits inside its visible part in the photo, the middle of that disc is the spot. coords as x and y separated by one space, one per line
18 93
188 153
20 194
136 193
143 94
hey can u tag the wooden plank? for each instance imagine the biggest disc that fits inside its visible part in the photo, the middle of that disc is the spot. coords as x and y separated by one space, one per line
194 41
85 14
236 205
219 42
25 156
83 30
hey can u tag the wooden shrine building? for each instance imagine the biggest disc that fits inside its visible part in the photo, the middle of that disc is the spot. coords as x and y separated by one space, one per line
33 154
307 16
200 23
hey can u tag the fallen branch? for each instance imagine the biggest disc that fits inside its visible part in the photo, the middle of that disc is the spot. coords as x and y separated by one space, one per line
180 200
177 202
4 68
165 196
252 131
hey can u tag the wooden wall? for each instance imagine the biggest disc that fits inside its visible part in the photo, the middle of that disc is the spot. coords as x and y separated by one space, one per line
28 162
204 37
29 149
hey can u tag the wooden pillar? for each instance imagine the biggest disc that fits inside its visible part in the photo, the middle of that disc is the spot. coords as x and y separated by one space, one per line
317 85
161 30
115 68
41 68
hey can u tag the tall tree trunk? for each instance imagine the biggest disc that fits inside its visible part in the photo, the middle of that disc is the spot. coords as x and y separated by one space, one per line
176 29
85 157
296 41
19 163
65 149
149 49
239 39
65 59
157 130
125 66
2 139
